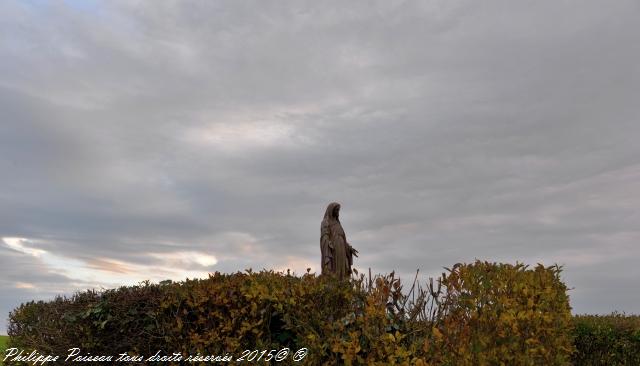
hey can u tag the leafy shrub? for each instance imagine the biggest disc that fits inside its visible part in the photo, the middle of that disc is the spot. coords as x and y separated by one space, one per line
607 340
502 314
481 313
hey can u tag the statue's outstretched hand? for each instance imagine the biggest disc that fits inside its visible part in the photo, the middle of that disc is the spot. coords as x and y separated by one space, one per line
354 251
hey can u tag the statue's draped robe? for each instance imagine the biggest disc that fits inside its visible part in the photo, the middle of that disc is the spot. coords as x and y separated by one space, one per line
337 254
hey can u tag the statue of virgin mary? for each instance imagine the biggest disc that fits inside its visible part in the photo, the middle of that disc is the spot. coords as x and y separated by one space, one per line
337 254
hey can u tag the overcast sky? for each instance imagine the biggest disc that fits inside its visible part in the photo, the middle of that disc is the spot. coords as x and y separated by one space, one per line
164 140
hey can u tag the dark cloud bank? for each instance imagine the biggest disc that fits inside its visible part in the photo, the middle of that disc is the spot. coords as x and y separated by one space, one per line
190 137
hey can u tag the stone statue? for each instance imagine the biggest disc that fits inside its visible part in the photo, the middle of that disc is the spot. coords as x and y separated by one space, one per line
337 254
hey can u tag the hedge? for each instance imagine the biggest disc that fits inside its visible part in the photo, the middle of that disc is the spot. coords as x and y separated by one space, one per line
607 340
474 314
504 314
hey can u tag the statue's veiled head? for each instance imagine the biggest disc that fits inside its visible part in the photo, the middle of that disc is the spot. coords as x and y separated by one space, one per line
333 211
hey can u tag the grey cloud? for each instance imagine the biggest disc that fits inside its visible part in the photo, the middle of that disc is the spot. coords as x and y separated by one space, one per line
448 130
21 272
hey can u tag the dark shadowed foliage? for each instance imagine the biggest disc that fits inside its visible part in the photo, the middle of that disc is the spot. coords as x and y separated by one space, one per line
607 340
